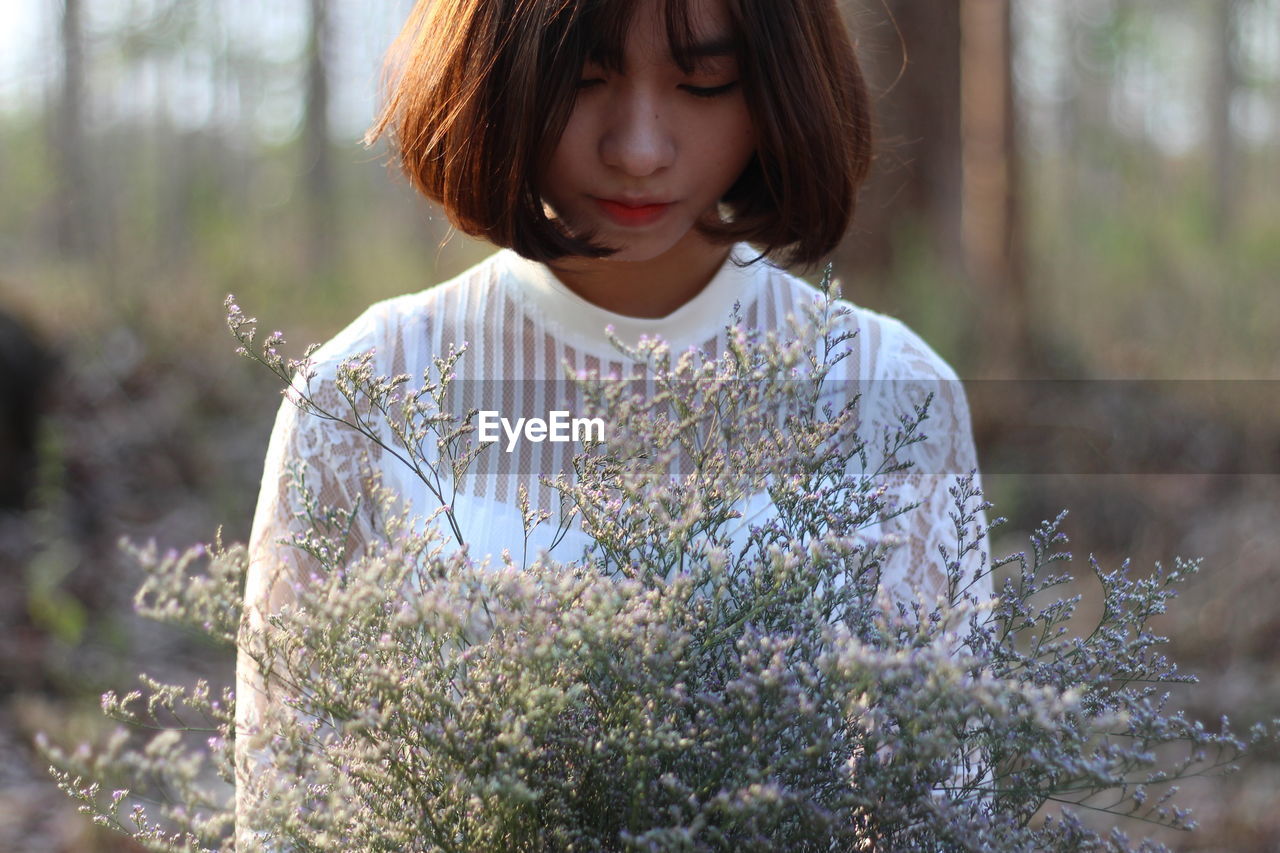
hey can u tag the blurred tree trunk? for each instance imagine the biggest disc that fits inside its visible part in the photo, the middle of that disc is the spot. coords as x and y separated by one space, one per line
319 168
73 220
990 208
946 174
1224 80
911 56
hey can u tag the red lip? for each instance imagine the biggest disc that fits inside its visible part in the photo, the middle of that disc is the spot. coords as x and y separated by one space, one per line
633 215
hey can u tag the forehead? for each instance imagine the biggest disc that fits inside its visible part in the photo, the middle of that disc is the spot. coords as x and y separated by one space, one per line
683 31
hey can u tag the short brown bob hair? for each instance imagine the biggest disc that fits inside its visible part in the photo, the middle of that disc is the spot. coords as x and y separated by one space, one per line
478 93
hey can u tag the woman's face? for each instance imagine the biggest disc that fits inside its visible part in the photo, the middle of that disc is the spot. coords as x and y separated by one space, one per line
649 152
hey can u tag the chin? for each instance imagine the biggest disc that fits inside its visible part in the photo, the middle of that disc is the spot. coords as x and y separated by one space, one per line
632 249
641 247
637 254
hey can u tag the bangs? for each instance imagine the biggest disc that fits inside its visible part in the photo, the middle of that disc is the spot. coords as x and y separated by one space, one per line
597 31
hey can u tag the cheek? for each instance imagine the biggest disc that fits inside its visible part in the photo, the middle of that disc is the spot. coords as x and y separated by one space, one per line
746 148
746 134
568 157
737 144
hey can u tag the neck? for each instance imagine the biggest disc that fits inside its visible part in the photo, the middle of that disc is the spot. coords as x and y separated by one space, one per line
652 288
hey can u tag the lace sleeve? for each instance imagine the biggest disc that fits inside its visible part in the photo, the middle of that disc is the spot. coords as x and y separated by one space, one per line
334 462
933 537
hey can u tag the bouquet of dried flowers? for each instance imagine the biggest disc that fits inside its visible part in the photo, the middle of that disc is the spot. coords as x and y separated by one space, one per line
689 684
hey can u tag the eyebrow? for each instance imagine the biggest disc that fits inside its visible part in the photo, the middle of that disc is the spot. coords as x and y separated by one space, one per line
686 56
715 47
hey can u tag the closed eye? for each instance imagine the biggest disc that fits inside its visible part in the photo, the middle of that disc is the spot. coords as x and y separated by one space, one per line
710 91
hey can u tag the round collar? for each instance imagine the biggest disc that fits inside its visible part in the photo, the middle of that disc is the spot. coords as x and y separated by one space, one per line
583 323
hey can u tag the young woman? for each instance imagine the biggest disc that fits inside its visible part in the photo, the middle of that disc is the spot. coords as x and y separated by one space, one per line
644 165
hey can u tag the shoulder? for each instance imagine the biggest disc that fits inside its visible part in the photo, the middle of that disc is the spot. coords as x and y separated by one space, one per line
902 353
910 383
332 387
897 376
885 348
395 336
386 327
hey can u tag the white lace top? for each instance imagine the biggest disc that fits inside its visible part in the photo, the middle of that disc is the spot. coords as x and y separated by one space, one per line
521 325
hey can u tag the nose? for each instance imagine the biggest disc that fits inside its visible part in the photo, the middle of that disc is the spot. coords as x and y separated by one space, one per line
637 140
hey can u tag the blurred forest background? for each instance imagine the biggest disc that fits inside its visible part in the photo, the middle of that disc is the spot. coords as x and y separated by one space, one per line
1084 190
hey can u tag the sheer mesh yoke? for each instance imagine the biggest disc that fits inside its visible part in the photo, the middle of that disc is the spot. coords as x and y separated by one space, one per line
521 328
